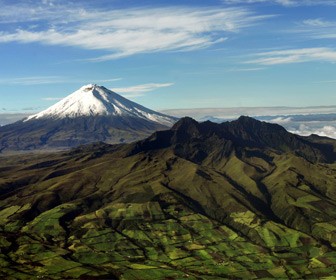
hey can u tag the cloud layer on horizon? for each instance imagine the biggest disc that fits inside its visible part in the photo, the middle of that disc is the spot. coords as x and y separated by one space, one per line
322 130
303 121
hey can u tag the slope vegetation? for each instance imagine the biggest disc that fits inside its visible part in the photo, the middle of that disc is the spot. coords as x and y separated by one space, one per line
238 200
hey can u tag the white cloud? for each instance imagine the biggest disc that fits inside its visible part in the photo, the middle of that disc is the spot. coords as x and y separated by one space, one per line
306 130
317 22
142 88
295 56
280 120
317 28
36 11
129 31
305 125
137 91
133 95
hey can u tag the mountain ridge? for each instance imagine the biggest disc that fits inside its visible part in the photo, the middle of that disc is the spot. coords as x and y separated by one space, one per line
243 132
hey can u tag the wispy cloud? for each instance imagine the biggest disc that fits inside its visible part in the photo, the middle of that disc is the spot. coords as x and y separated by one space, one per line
142 88
139 90
294 56
317 28
287 3
317 22
133 95
129 31
36 80
36 14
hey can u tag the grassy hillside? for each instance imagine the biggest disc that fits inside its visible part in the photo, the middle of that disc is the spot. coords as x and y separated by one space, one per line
199 201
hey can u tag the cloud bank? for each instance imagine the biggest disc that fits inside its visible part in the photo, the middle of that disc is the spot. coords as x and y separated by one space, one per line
325 130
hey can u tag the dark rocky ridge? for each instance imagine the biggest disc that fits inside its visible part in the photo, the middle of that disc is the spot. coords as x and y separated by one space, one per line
195 141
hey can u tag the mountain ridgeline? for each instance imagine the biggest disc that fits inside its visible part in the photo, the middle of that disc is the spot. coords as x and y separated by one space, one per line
198 141
238 200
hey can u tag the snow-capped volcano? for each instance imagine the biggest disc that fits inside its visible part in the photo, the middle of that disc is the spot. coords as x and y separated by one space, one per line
94 100
89 115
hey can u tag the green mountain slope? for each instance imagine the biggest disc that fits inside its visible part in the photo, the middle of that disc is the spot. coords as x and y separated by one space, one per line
238 200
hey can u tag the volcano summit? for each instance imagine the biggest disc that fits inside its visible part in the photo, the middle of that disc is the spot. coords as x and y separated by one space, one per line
91 114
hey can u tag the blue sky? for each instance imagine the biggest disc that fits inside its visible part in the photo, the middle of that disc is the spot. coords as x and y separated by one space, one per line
169 54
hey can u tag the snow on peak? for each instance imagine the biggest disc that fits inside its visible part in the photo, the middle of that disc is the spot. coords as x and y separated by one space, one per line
94 100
